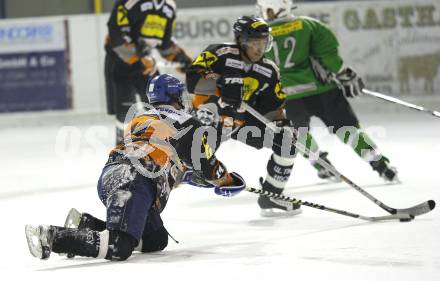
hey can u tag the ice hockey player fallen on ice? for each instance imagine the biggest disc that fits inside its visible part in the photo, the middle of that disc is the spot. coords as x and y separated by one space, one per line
136 181
317 83
227 74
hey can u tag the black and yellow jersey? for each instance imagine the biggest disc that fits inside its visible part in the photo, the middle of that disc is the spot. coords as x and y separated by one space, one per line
131 20
144 23
262 87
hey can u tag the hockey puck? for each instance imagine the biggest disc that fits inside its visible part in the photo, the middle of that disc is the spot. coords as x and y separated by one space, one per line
411 217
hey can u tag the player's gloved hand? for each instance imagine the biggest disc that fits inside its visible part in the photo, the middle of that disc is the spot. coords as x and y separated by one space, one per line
220 175
231 90
176 54
237 186
148 65
184 59
351 82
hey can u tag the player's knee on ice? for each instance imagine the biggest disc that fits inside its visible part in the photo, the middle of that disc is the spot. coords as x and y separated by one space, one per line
155 241
120 246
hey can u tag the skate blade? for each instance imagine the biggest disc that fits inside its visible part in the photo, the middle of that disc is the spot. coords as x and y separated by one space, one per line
33 241
273 212
73 219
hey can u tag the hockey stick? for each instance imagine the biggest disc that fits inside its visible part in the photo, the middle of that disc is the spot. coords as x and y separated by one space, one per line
401 102
417 210
399 216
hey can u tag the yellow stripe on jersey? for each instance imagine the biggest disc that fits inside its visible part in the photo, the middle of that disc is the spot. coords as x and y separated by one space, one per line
154 26
286 28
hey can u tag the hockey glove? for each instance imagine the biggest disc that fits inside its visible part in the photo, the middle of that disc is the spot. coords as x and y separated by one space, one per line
176 54
220 176
231 190
351 83
231 90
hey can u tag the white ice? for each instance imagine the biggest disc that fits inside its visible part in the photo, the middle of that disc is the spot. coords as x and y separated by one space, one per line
42 177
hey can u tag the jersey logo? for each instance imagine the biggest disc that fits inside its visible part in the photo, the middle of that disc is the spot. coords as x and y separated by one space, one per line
279 91
177 115
234 80
121 16
154 26
234 63
250 87
227 50
273 64
205 59
286 28
262 70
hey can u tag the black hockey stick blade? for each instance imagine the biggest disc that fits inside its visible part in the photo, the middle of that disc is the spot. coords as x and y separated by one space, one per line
419 209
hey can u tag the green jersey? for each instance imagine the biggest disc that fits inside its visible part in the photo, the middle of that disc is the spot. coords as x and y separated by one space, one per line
296 39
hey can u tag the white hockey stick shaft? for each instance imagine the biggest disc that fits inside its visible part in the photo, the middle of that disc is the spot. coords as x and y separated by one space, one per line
401 102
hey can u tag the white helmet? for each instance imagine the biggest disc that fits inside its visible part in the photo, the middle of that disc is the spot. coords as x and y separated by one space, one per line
280 8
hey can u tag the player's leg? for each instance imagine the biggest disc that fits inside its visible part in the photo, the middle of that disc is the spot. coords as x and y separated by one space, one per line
279 166
120 92
338 114
128 197
43 240
300 111
155 236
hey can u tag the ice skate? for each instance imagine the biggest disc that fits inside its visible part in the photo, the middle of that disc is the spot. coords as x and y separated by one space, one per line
40 240
272 207
388 173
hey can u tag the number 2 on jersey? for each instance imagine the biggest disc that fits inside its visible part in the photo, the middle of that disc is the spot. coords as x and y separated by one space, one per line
289 46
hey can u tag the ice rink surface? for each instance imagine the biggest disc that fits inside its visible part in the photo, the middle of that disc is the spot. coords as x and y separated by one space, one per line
43 176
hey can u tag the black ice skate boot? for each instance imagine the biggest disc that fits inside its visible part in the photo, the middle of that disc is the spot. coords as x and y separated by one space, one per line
271 207
324 173
40 239
387 172
78 220
75 219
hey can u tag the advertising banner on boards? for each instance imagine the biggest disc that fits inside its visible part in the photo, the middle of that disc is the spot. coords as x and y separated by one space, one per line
34 66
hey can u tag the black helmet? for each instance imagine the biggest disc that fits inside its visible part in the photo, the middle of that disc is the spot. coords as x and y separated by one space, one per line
247 28
251 27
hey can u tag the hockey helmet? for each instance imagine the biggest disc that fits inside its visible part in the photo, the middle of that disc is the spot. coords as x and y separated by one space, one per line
165 89
253 32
